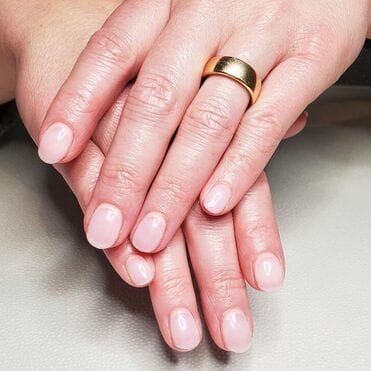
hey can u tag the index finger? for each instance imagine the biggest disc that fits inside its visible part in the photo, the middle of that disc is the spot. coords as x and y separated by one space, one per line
110 60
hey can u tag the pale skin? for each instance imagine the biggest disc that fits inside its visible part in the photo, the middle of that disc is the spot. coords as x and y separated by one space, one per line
37 56
34 63
298 48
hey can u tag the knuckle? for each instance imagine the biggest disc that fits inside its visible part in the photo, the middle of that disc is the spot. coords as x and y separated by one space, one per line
225 285
121 177
152 97
109 47
314 43
269 15
172 190
209 119
175 283
256 228
80 100
261 132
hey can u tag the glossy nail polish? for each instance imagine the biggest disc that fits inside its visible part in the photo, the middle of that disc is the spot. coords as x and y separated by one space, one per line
217 199
184 331
149 233
55 143
139 270
237 332
269 274
104 226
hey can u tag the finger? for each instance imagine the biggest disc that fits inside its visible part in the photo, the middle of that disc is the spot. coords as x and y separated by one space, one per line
151 114
203 136
259 246
81 175
213 254
297 126
173 297
263 127
171 290
109 61
107 126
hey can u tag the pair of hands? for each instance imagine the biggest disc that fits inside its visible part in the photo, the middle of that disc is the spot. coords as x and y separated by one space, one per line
215 244
211 241
177 140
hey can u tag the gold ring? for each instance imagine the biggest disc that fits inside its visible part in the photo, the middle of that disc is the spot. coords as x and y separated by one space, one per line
237 70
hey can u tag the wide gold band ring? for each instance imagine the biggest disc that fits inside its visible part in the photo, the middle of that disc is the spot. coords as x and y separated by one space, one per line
237 70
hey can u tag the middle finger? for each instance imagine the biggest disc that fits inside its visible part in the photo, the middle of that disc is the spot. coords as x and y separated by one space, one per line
204 134
168 80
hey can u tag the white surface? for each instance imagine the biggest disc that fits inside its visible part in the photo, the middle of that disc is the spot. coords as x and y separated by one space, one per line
62 307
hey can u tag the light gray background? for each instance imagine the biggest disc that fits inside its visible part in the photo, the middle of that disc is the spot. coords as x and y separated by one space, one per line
62 306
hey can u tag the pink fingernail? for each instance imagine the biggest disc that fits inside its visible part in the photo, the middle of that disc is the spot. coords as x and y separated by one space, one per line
104 226
217 199
269 274
55 143
139 270
149 232
237 333
184 331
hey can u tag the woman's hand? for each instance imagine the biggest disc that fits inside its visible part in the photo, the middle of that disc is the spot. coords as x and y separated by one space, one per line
221 262
298 48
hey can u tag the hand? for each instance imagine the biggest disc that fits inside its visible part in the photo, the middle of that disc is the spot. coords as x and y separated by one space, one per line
214 251
298 48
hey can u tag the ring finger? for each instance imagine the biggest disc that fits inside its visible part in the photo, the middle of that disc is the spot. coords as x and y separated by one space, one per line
212 249
204 134
258 241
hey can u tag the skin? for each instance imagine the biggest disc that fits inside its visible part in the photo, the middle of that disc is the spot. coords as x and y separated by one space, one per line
223 251
298 48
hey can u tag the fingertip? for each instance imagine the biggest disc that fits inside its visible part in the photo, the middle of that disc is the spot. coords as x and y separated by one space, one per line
140 271
269 272
237 331
216 199
135 269
298 126
55 143
149 233
104 226
185 333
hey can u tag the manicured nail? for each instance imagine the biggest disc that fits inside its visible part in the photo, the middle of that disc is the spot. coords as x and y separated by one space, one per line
217 199
55 143
184 331
269 274
237 333
104 226
149 232
139 270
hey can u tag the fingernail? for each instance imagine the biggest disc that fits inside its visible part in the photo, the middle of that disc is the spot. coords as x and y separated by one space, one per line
149 232
269 274
237 333
104 226
184 331
55 143
139 270
217 199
